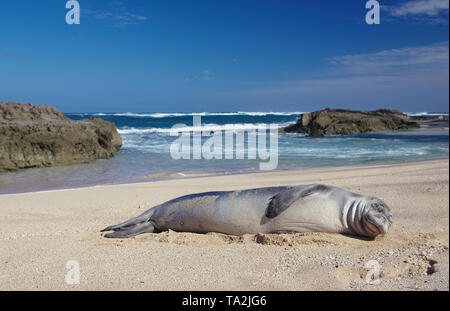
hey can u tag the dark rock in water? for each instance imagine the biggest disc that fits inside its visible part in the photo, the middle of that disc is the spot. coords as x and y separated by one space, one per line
37 136
344 122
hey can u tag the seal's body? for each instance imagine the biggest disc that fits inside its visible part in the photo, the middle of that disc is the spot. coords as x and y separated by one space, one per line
305 208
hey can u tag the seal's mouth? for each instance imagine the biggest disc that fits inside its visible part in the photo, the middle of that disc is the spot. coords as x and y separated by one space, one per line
377 223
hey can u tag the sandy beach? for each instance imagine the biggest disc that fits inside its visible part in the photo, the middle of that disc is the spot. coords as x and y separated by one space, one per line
41 232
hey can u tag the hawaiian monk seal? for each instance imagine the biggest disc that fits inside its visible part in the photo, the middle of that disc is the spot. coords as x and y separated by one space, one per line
305 208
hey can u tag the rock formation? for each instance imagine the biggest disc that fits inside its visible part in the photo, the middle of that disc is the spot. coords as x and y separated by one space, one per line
37 136
344 122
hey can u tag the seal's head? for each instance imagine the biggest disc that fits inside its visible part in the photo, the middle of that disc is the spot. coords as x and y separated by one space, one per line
377 217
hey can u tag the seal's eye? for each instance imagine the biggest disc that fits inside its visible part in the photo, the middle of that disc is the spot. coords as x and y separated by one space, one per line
378 207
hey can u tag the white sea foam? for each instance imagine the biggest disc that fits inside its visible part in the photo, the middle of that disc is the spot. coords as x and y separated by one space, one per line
205 128
181 114
239 113
425 114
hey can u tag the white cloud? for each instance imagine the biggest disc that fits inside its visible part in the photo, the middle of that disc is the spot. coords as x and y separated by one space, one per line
389 78
394 60
206 75
419 7
420 11
118 15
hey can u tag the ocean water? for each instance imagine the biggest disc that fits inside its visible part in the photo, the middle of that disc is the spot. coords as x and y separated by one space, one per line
145 154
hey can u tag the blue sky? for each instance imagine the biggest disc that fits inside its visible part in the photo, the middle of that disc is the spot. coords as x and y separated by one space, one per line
176 55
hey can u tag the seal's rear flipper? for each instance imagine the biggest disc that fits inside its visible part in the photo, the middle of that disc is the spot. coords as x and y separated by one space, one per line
141 219
127 232
132 227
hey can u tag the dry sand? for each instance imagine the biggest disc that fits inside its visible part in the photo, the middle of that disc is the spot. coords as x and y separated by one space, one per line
41 232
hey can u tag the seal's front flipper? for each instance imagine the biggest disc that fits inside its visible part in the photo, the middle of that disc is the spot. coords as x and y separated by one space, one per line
286 197
127 232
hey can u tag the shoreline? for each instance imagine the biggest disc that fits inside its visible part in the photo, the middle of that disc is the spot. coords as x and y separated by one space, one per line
80 176
298 170
42 231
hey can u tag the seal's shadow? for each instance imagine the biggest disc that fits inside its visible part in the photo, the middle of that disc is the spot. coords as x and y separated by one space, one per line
362 238
265 220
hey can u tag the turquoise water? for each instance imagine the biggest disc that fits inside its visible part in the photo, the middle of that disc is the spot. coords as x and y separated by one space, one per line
145 154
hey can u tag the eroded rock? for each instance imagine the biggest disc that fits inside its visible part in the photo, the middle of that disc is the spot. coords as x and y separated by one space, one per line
38 136
345 122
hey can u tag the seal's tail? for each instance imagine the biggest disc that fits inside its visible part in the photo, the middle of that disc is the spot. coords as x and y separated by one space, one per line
131 227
